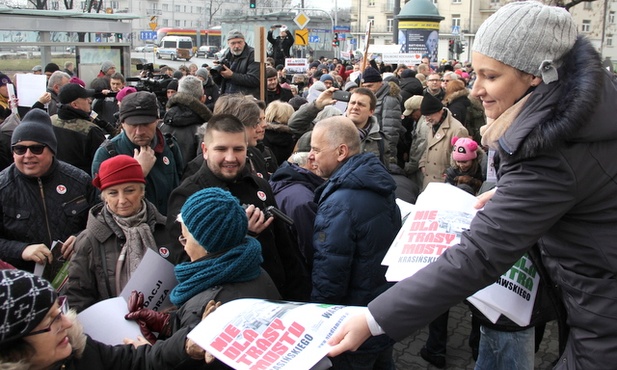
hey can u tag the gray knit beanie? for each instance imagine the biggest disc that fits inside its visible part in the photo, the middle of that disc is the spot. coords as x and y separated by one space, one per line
529 36
36 126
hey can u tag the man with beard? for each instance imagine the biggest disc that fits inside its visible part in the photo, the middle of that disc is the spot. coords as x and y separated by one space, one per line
242 74
274 90
78 137
225 151
158 154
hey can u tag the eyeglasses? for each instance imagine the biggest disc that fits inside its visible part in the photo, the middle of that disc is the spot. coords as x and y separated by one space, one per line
434 80
34 149
63 305
446 81
182 240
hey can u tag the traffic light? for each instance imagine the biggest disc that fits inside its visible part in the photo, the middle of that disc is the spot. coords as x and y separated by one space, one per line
252 4
119 36
451 46
335 41
461 47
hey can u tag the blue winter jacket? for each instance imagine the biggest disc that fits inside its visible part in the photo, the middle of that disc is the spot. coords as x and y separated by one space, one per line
357 220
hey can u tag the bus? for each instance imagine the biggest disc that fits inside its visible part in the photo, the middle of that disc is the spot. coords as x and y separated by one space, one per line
207 37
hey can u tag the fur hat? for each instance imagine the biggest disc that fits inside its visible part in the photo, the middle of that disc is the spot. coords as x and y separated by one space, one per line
26 300
36 126
430 105
235 34
139 108
371 75
215 219
464 149
529 36
107 65
119 169
412 104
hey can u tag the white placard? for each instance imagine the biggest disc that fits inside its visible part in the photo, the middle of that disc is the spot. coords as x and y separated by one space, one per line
30 87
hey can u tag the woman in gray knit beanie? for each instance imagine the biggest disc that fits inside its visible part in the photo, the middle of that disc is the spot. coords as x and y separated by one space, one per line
552 128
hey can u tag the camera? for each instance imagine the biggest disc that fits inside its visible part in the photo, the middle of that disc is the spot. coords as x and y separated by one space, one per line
215 71
272 211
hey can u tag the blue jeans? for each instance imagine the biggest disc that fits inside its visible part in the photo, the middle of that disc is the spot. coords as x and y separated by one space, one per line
506 350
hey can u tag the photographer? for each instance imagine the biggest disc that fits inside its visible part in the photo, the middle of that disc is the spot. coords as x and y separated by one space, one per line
281 44
239 73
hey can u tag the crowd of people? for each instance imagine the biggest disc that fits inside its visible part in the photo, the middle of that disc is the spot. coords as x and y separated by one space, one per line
107 173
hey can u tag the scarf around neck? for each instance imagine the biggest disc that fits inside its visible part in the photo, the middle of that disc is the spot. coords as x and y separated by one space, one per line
495 128
238 264
138 237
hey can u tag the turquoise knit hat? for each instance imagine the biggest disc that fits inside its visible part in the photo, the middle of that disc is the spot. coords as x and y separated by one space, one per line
215 218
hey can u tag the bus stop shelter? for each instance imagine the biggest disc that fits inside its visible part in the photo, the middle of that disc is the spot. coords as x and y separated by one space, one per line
95 37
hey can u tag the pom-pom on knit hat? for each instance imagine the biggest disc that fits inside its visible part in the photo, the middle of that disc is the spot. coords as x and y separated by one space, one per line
26 300
215 219
464 149
529 36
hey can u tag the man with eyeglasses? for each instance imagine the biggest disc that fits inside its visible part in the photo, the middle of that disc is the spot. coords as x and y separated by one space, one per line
158 154
241 75
433 86
42 199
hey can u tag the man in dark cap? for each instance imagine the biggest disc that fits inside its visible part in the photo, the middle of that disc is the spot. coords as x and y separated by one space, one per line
42 199
50 68
78 136
388 108
242 74
436 157
158 154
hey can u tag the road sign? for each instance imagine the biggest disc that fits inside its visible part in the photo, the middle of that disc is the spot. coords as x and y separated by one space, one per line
302 20
302 37
153 22
314 39
342 29
323 30
147 35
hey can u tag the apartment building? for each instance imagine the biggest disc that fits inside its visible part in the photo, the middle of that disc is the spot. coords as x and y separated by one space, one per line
463 17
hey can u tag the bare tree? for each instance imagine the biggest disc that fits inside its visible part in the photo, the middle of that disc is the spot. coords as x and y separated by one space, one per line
567 4
212 9
39 4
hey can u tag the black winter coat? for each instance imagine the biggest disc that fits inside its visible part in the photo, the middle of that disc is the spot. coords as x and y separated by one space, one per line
245 79
282 260
184 115
42 210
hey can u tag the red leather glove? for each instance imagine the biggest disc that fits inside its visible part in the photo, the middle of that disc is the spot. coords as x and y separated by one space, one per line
149 320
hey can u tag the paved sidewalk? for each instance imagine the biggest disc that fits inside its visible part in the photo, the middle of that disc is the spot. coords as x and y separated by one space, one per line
406 353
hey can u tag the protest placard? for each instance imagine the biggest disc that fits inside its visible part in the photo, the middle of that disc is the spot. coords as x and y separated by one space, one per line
435 224
154 277
260 334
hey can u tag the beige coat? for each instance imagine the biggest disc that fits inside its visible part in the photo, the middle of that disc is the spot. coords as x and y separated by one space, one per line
437 156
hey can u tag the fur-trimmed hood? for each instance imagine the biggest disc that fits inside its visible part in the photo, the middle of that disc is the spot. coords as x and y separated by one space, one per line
455 95
278 127
182 106
77 338
570 109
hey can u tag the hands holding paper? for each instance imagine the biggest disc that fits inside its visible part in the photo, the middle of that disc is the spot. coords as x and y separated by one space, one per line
192 349
354 332
149 320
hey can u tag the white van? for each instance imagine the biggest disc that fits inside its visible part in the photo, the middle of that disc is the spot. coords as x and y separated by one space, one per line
175 47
